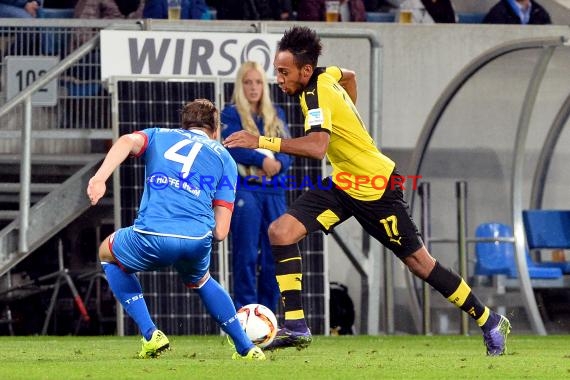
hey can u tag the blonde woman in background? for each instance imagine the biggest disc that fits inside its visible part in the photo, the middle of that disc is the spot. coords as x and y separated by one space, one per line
260 195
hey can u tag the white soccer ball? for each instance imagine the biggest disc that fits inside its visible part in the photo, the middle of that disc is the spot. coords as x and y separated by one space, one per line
246 171
259 323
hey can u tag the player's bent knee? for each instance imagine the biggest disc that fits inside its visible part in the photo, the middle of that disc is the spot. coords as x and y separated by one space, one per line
105 254
286 230
198 284
273 231
278 234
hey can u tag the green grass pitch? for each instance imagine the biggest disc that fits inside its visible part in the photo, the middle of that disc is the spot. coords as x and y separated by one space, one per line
346 357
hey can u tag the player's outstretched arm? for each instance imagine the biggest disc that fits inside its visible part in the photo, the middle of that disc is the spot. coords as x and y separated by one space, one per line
313 145
348 82
125 145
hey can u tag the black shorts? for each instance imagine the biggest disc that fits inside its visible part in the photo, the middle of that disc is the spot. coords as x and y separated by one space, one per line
386 219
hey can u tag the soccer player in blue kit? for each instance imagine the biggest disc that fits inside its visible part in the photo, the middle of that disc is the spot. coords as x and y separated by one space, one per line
187 203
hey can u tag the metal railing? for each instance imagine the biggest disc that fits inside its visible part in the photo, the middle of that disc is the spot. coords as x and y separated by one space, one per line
25 165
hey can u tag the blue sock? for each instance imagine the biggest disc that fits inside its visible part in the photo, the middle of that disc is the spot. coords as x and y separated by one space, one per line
127 289
221 308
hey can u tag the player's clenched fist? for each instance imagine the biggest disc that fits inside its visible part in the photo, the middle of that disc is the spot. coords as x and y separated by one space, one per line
95 190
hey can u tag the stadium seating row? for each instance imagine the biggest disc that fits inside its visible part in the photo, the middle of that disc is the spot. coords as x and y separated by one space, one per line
544 229
462 17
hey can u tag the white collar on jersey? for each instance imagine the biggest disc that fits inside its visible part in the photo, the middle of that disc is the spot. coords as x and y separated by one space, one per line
198 131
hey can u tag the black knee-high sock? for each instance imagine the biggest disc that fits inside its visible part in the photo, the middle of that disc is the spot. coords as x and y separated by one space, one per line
456 290
288 270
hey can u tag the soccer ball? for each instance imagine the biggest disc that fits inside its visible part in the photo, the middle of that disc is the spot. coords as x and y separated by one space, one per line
246 171
259 323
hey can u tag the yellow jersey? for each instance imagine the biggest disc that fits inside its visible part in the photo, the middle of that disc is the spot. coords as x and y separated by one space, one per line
359 168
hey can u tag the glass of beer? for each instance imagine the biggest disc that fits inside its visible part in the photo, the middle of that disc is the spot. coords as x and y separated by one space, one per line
332 10
406 16
174 9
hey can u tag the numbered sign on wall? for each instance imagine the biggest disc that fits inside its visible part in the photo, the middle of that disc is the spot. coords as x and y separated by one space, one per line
22 71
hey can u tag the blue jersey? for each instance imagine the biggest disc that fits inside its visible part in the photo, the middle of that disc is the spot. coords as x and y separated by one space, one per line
187 173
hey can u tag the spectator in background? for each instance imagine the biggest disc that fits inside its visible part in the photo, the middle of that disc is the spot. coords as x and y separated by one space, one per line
19 8
252 9
191 9
103 9
23 43
109 9
256 204
87 68
314 10
379 6
60 4
517 12
441 11
427 11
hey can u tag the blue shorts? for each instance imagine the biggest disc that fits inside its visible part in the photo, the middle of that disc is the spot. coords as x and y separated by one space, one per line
139 252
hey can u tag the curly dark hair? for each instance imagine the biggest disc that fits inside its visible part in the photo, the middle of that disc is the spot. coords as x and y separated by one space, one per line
200 113
303 43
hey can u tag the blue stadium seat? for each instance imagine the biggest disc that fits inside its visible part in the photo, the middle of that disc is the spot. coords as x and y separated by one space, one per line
470 18
495 258
83 89
548 229
380 16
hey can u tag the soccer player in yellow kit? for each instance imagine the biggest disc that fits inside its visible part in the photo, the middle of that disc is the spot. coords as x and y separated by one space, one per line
364 184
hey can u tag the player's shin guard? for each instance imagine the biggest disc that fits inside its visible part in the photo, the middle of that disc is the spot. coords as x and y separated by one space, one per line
127 290
220 306
456 290
288 270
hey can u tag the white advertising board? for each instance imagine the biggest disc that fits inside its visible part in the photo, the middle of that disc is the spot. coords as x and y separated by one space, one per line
180 54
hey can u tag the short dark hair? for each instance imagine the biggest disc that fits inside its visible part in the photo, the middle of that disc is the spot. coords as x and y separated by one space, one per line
303 43
200 113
